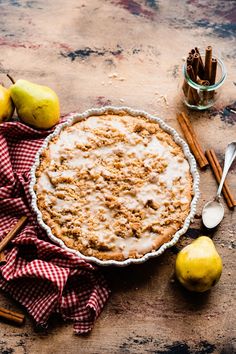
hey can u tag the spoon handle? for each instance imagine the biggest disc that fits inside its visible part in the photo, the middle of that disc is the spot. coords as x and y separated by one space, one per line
230 155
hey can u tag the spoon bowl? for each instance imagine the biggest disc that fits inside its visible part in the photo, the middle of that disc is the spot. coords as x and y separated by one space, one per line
212 214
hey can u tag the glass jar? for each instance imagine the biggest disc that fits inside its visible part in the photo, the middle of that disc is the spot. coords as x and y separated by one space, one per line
197 95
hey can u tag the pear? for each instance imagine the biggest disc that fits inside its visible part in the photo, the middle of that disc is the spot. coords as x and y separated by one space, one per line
6 104
198 266
36 105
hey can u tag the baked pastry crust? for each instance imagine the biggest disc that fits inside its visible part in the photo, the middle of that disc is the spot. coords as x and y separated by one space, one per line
114 186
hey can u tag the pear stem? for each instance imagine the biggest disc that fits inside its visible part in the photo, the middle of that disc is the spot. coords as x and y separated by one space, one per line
11 78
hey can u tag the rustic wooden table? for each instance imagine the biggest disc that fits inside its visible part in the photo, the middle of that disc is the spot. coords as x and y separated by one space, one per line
130 52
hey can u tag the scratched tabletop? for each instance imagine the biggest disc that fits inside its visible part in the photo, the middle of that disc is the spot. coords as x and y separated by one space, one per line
130 52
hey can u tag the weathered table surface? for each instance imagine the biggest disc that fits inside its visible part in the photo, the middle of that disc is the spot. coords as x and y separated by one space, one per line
130 52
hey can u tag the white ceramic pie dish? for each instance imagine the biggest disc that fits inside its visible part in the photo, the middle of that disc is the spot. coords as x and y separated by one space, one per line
98 111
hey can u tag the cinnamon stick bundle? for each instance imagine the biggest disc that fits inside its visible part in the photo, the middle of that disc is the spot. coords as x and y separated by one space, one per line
217 170
204 74
192 139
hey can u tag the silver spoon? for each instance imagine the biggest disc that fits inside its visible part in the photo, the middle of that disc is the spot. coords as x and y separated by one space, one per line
213 211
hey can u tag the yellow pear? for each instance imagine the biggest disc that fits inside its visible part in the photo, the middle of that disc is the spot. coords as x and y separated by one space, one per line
198 266
36 105
6 104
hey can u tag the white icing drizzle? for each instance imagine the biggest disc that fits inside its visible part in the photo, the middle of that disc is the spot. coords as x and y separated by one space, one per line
44 183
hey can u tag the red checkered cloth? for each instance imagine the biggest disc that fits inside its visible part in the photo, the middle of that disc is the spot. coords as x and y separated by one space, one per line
40 275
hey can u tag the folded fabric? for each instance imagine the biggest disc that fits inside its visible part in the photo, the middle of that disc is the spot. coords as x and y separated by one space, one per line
40 275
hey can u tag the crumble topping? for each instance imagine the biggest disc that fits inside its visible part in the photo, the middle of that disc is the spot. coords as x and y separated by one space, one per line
114 186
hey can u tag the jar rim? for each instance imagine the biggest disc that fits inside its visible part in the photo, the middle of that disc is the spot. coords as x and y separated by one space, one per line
211 87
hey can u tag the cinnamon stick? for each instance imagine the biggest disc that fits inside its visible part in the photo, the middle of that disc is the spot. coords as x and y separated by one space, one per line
213 71
192 139
2 257
205 93
12 233
11 316
192 93
189 60
208 57
217 170
185 86
203 82
191 72
190 97
201 70
213 76
195 64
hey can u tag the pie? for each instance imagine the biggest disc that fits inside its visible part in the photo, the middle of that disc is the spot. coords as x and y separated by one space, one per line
114 186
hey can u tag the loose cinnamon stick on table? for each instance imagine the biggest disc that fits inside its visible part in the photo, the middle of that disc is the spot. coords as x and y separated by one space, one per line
192 139
217 170
12 316
12 233
208 57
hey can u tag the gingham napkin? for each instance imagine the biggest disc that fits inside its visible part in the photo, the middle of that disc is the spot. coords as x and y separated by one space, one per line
40 275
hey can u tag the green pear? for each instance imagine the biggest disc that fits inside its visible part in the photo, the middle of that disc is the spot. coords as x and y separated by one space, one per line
6 104
36 105
198 266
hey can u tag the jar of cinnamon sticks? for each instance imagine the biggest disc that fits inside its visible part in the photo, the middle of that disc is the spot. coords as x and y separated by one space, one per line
203 75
